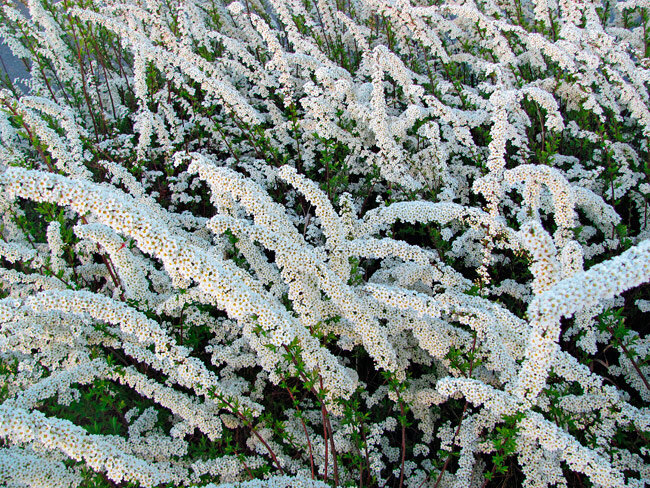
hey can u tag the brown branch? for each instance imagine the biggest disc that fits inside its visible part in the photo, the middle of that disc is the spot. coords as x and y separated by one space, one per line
32 139
460 423
253 430
401 407
304 428
327 426
629 356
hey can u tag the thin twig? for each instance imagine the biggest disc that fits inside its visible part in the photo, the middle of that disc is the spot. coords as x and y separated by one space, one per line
304 428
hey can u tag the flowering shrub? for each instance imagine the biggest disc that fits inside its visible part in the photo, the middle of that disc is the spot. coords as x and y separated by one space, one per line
315 243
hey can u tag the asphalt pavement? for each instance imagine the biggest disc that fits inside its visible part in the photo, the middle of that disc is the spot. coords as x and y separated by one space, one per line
9 63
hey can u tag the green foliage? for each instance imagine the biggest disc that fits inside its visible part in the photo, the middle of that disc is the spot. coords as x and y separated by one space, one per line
504 441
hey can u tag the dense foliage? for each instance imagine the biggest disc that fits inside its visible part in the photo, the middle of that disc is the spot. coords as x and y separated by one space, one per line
325 243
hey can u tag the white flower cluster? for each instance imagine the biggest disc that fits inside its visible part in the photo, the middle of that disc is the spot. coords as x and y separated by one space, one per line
274 243
21 426
25 467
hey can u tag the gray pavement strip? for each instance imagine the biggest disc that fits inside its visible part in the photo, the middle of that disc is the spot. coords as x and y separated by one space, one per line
10 64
